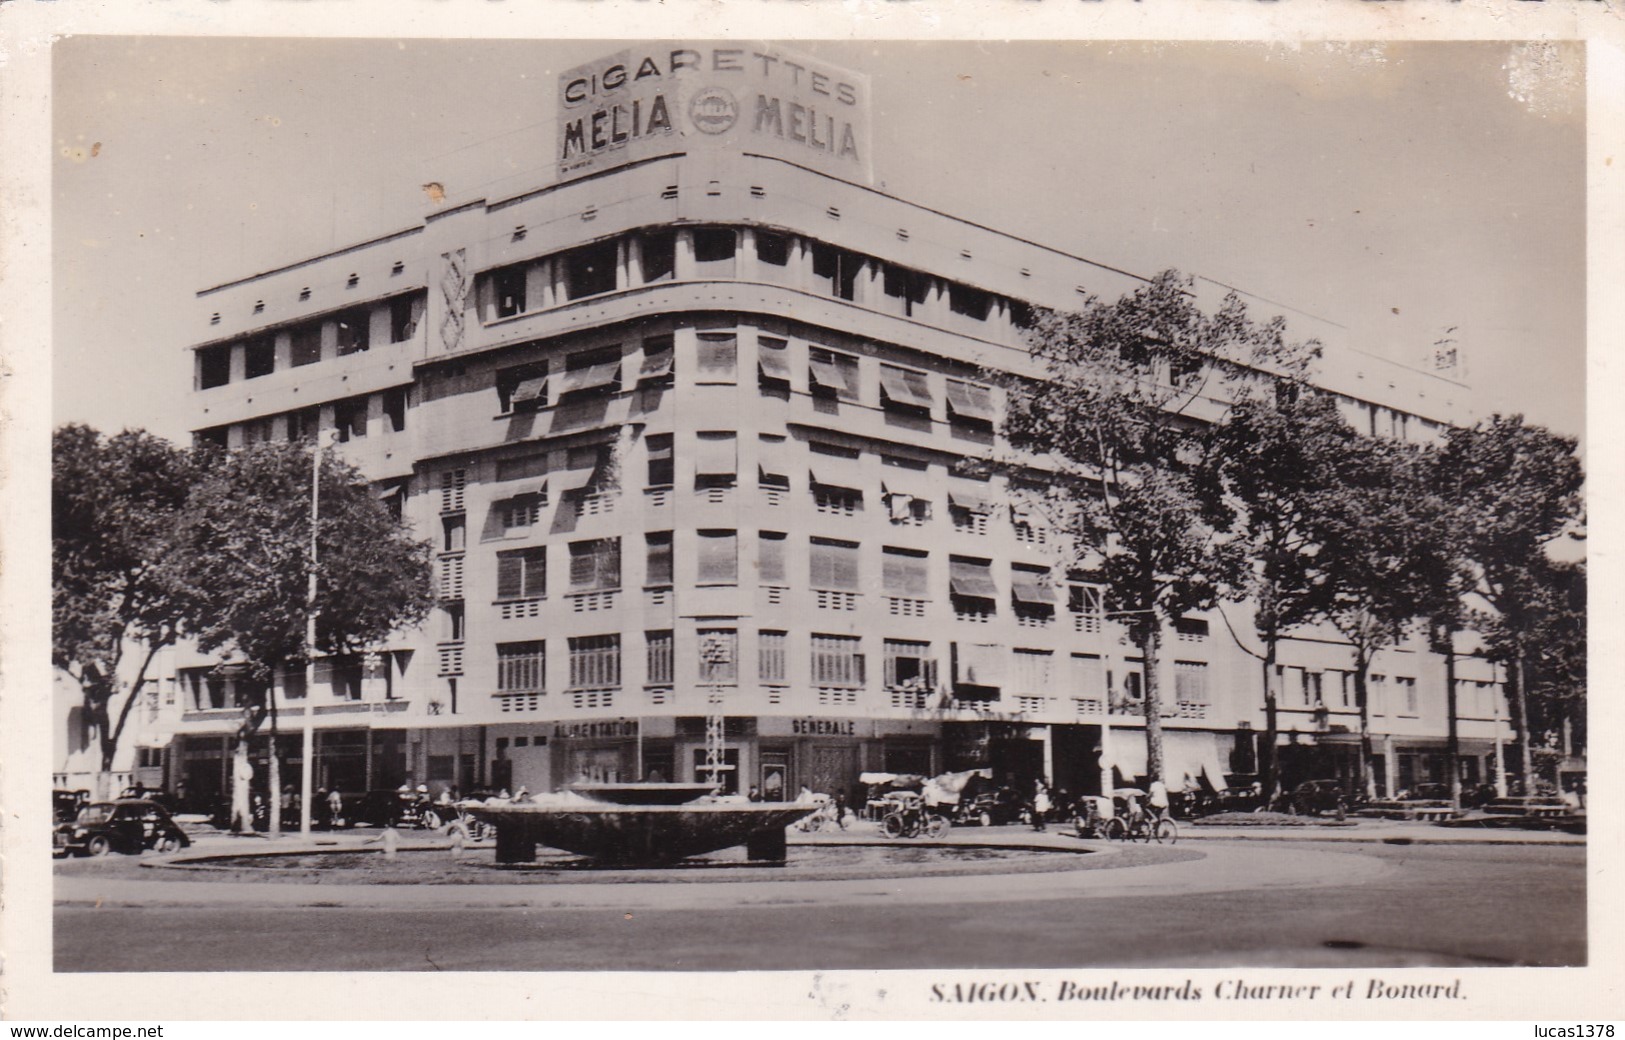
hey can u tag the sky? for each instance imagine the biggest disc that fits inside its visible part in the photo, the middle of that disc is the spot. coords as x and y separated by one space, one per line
1397 189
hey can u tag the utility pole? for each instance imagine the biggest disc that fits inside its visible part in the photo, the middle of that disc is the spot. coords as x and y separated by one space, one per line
307 757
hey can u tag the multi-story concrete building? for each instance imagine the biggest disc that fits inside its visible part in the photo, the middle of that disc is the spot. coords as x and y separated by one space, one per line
688 427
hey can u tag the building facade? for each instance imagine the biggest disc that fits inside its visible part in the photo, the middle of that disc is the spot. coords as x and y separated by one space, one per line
694 430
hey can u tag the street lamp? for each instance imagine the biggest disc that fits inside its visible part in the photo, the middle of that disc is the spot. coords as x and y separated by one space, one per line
307 758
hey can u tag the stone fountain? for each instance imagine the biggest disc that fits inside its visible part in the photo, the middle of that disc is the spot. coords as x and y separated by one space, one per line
646 824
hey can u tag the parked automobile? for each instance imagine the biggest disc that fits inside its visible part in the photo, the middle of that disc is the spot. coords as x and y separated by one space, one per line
65 805
130 826
991 808
1313 797
404 809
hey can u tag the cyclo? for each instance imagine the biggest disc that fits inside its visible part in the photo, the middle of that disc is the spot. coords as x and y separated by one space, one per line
911 817
1125 818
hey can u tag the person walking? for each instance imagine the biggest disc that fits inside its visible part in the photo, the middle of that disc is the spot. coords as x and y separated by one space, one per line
1041 804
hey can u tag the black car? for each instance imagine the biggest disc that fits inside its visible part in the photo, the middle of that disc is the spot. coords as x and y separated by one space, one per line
991 808
65 805
130 825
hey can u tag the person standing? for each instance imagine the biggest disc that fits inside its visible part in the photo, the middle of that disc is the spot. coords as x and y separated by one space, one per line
1041 804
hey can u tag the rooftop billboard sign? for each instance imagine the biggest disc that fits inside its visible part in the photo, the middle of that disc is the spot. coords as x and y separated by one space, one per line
652 98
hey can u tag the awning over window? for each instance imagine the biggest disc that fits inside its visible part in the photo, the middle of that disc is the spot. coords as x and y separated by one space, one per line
971 579
913 483
835 477
716 457
833 376
972 501
1031 587
529 391
970 400
656 364
978 664
593 377
773 361
905 386
389 491
1125 752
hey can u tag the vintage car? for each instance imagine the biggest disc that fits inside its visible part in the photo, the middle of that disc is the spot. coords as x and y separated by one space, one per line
130 825
1313 797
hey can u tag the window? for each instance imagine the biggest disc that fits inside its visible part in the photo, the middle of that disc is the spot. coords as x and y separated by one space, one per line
658 650
772 249
718 357
305 347
773 363
833 565
595 564
522 667
659 252
522 388
971 579
658 567
836 270
1190 630
657 360
1133 680
256 431
716 460
1375 694
770 569
213 367
354 332
969 403
1031 592
592 372
595 662
719 655
1034 671
508 288
837 661
969 509
456 620
403 323
714 250
589 270
302 424
832 375
1190 682
522 512
658 448
773 656
909 664
718 558
1407 691
972 303
455 531
1088 676
1088 606
904 388
259 357
522 573
772 471
350 419
904 573
907 290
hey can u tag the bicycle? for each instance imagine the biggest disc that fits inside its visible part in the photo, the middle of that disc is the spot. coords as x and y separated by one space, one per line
1158 825
907 822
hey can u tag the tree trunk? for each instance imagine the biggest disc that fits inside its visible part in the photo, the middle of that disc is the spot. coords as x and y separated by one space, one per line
242 817
1368 783
273 773
1526 757
1453 734
1150 643
1269 775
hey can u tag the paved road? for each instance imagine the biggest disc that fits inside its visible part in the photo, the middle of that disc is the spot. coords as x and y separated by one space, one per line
1309 904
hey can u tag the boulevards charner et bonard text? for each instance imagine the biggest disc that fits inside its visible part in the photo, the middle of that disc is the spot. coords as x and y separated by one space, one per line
1231 989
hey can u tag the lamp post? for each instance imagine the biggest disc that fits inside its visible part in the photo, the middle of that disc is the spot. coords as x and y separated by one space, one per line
307 757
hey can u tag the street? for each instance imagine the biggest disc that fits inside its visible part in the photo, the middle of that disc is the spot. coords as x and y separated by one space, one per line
1367 905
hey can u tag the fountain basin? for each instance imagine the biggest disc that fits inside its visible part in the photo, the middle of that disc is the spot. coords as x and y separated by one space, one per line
642 834
643 793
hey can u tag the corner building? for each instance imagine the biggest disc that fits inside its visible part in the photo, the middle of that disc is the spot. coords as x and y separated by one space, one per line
689 429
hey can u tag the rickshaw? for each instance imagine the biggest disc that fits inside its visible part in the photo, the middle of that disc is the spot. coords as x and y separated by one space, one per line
911 817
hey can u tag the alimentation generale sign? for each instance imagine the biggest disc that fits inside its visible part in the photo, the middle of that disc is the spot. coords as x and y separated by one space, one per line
645 100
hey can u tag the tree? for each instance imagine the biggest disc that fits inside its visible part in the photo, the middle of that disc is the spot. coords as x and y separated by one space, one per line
1556 669
1383 563
1280 452
1130 386
246 539
1519 487
115 503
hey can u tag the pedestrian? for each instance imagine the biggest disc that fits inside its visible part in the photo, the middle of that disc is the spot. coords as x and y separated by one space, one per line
1041 804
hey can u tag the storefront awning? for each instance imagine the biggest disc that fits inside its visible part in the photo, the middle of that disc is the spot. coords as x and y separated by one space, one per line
1125 752
905 387
1028 587
970 401
1190 758
971 579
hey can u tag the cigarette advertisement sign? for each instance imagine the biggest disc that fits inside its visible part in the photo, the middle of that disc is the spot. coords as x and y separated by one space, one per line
657 98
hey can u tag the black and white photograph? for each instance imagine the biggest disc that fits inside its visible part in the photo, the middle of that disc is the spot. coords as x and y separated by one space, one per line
1055 517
